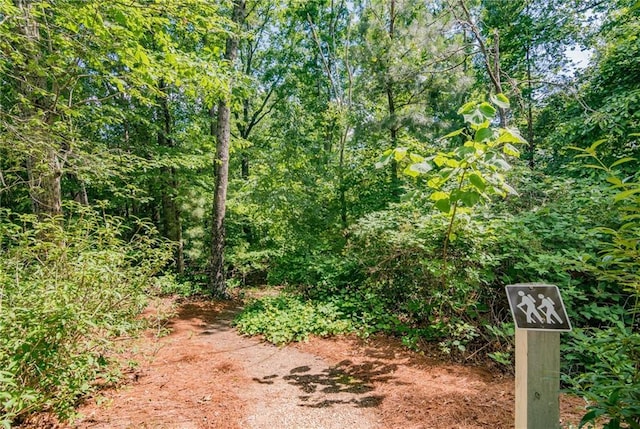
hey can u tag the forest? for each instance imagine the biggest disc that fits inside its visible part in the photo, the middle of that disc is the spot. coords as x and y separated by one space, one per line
390 165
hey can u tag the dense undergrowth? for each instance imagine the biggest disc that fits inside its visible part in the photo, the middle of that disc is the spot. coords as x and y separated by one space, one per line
389 278
68 287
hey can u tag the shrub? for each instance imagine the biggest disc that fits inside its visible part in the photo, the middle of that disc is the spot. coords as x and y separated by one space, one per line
66 287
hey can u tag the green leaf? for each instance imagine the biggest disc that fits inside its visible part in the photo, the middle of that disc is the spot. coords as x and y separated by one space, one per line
483 134
440 160
453 163
499 163
414 157
487 110
384 158
467 108
436 196
399 153
590 416
625 194
444 205
510 135
414 170
469 198
465 151
594 146
476 180
622 161
500 100
598 167
614 180
454 133
511 150
479 125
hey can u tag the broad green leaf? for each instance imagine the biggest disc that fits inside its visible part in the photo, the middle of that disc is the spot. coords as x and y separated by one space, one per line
477 181
440 160
467 108
469 198
509 149
434 183
464 151
444 205
414 157
510 135
480 125
399 153
439 196
487 110
414 170
483 134
453 163
475 118
500 100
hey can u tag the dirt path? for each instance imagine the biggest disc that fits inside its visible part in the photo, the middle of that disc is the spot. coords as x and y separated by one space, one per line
204 375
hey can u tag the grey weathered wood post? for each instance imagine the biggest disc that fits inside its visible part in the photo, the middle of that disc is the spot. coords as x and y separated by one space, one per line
537 379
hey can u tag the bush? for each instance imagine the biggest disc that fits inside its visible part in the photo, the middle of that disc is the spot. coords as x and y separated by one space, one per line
286 318
66 287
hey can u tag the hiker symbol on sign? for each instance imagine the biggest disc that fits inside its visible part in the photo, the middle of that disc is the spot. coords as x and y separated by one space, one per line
538 307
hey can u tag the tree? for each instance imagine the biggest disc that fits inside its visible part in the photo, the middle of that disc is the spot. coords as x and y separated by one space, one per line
606 102
533 37
217 279
69 69
409 57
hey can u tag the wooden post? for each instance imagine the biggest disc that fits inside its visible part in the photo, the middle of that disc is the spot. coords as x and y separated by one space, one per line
537 379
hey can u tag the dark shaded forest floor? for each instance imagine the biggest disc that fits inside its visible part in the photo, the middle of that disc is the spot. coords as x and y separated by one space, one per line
202 374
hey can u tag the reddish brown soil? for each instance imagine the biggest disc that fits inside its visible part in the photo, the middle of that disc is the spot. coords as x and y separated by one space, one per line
204 375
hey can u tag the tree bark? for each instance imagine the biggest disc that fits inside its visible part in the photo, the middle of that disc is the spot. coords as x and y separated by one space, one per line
44 164
217 281
391 105
171 218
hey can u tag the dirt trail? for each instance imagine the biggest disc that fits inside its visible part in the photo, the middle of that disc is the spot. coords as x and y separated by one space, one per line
204 375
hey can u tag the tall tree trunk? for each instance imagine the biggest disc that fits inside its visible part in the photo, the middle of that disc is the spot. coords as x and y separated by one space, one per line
530 136
44 164
217 281
391 106
171 219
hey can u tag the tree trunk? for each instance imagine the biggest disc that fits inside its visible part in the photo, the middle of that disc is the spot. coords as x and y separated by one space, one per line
217 281
391 105
44 164
45 173
530 136
172 222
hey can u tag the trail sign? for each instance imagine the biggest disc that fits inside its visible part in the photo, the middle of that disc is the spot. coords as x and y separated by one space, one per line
537 307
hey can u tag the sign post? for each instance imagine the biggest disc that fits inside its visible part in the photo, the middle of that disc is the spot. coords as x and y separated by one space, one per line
540 316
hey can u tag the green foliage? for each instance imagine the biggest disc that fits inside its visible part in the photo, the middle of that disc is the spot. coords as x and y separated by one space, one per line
286 318
66 287
610 379
610 356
